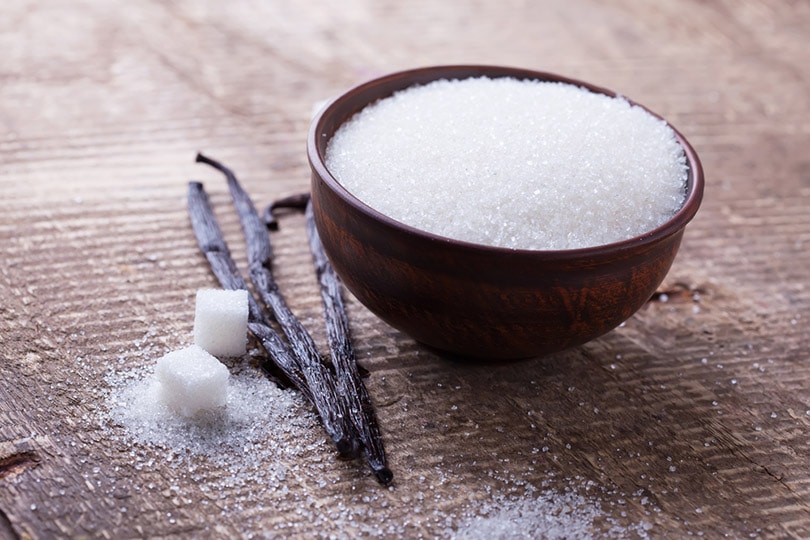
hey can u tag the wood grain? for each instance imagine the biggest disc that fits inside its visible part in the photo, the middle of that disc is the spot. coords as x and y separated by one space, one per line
694 417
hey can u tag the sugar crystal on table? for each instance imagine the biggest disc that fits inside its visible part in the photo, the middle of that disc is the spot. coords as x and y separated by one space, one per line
191 380
220 321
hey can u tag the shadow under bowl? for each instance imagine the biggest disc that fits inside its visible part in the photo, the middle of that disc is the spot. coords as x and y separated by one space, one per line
473 300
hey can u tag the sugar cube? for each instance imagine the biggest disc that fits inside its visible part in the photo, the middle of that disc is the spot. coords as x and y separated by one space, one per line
192 380
220 321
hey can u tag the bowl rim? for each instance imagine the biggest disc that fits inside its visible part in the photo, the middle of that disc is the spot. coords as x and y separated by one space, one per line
679 220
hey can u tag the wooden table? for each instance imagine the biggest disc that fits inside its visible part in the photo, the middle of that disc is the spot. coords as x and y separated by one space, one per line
691 419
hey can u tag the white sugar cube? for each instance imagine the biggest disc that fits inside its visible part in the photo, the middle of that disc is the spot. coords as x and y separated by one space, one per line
220 321
191 380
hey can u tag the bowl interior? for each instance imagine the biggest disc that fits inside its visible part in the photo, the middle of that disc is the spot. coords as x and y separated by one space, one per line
339 110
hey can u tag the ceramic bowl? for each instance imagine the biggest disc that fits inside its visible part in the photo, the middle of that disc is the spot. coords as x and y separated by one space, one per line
472 300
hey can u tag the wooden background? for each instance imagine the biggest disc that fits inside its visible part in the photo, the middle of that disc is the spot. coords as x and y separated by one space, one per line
691 419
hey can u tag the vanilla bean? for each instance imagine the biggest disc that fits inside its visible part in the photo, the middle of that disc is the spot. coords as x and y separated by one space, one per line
331 406
343 358
212 244
279 351
295 202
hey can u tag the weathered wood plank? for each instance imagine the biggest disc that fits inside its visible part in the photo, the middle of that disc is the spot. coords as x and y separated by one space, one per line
693 417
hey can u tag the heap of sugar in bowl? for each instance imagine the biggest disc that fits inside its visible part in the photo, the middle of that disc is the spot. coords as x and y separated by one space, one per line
512 163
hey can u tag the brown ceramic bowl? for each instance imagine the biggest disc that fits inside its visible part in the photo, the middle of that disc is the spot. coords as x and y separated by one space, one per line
473 300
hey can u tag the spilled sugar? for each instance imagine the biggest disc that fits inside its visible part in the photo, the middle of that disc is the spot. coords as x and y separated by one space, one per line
517 164
243 422
265 453
547 514
256 412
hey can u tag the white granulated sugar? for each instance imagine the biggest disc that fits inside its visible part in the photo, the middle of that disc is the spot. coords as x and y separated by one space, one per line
518 164
190 380
254 409
243 455
220 321
264 463
547 514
